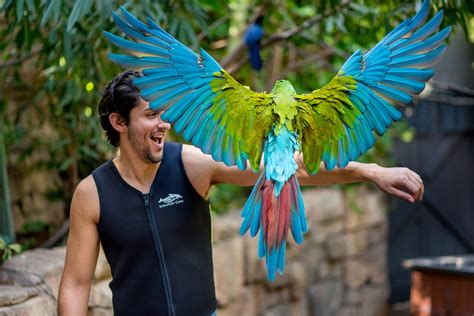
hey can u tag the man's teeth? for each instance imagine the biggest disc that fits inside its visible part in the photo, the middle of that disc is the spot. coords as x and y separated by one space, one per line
157 139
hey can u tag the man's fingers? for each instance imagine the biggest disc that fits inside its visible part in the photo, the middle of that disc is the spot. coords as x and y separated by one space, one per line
410 185
422 192
403 195
415 178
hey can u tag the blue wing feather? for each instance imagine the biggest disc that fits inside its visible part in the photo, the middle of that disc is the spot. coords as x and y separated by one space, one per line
392 71
178 81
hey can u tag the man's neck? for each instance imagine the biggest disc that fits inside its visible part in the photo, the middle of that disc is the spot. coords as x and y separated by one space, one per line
136 172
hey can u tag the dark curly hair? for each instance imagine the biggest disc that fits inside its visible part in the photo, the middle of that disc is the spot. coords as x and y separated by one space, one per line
120 96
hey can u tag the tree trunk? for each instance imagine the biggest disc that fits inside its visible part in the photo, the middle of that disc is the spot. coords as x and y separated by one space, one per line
7 231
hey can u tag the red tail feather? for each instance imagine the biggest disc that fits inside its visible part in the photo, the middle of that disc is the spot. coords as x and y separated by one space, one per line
276 214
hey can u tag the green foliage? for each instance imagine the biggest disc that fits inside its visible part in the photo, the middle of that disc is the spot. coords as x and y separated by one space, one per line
33 233
224 197
8 249
34 227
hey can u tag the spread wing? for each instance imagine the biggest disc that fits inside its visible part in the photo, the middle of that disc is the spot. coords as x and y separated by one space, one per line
336 122
201 100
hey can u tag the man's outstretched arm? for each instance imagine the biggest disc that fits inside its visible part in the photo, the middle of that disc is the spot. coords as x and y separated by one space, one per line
401 182
82 251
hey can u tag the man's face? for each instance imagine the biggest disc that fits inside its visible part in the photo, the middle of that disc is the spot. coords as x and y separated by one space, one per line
147 132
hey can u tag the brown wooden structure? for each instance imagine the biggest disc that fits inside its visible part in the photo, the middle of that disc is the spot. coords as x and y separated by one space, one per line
442 286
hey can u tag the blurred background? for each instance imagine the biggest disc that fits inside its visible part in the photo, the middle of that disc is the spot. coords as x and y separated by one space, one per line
53 68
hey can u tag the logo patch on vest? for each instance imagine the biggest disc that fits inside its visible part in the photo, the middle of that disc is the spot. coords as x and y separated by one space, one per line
171 199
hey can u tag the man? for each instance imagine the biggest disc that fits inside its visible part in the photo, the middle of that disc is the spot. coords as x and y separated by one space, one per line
148 208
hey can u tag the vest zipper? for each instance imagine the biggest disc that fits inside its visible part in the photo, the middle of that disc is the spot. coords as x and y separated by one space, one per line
159 252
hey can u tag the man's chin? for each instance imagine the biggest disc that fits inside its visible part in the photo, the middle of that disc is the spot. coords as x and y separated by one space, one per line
153 159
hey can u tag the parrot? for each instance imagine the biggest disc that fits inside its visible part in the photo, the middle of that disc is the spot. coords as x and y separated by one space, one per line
252 39
334 124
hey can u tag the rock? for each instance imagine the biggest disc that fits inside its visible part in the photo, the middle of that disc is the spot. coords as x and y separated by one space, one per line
36 306
11 295
274 298
374 300
5 278
101 295
226 226
29 187
99 311
336 246
254 268
356 273
313 258
329 270
372 210
246 304
304 307
378 234
281 280
38 266
292 248
322 232
228 269
325 298
294 278
352 297
299 279
370 267
376 261
356 242
323 205
280 310
39 261
349 311
25 279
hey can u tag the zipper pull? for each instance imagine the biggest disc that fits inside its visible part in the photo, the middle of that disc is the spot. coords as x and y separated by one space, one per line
146 198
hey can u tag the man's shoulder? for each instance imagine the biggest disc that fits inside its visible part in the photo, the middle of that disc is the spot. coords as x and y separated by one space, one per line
86 189
193 154
199 168
193 150
86 198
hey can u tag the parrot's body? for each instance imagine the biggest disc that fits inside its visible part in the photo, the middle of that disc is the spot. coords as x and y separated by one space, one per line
276 202
236 125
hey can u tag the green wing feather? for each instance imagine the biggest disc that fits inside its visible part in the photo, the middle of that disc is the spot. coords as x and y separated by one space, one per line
246 115
324 116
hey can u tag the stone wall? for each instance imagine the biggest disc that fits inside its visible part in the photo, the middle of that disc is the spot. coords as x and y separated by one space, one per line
29 196
340 269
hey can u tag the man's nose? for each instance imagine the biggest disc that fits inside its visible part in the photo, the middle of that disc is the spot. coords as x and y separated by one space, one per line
164 125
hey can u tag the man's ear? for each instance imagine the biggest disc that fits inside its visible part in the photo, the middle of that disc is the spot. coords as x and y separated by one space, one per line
118 122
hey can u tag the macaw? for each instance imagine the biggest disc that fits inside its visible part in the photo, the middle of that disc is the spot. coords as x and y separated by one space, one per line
252 39
236 125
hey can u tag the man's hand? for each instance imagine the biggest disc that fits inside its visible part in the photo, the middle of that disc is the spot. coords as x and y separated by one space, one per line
401 182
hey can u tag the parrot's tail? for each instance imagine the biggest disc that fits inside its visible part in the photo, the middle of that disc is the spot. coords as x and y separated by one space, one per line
275 214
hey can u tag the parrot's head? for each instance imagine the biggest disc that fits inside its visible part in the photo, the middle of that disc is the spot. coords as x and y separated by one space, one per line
283 87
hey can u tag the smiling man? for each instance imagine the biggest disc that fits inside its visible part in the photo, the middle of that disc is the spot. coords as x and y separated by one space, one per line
148 207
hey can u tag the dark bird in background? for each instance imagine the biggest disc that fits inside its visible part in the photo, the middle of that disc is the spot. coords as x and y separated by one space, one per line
252 38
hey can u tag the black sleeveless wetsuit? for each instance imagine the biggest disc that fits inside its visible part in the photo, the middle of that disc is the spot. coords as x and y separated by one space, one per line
158 244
